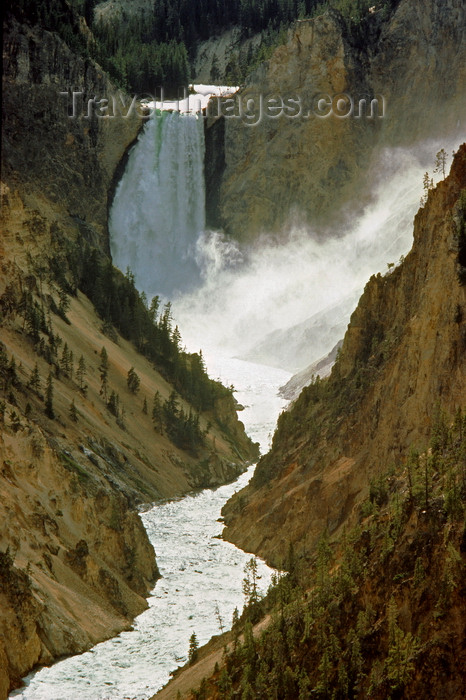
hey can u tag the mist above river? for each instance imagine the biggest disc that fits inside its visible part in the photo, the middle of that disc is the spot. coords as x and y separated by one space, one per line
249 293
228 298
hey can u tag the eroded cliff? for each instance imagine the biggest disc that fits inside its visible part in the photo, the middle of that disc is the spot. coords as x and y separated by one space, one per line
402 359
50 147
302 168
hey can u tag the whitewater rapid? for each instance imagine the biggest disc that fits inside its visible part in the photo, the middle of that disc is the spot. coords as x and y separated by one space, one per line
200 572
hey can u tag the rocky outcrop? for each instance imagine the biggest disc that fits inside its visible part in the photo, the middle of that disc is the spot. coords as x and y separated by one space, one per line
301 168
216 56
225 415
213 171
110 10
76 563
402 360
50 149
321 368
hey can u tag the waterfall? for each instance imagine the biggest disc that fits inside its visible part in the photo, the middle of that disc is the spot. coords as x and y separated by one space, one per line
284 302
158 212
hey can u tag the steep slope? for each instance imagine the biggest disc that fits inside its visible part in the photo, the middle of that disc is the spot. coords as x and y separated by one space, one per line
402 356
303 168
322 368
377 612
73 475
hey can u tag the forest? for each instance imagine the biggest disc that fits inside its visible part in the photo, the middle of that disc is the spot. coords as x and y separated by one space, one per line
337 617
144 52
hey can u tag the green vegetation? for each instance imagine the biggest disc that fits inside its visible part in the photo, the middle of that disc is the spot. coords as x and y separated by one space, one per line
81 374
157 413
460 220
441 162
49 412
146 51
133 381
366 612
34 382
68 266
103 371
182 429
66 361
53 15
119 303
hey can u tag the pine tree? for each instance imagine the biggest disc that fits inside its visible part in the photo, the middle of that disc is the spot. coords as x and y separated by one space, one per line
441 162
81 374
157 413
221 626
193 649
66 361
3 366
15 421
176 340
114 404
402 648
250 582
64 304
144 406
49 398
12 373
154 308
235 628
133 381
34 380
103 369
426 184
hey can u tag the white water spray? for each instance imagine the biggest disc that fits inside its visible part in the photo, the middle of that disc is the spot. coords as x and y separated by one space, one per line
284 303
287 302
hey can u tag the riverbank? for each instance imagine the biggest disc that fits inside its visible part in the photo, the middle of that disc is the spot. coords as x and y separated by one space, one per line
201 574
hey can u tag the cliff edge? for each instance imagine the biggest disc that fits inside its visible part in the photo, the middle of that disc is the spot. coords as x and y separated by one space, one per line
402 360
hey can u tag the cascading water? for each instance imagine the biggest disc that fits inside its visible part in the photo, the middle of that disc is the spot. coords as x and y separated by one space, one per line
158 211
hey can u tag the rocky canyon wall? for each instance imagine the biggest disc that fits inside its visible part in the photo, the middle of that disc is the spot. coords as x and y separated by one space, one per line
304 169
402 360
47 149
75 561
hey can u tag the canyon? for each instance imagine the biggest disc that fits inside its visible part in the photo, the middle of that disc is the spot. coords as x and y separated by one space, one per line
76 564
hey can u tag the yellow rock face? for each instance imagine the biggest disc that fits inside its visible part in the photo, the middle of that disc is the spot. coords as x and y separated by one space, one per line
304 169
405 346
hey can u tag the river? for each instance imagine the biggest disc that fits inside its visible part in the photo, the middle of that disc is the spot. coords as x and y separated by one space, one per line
201 575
